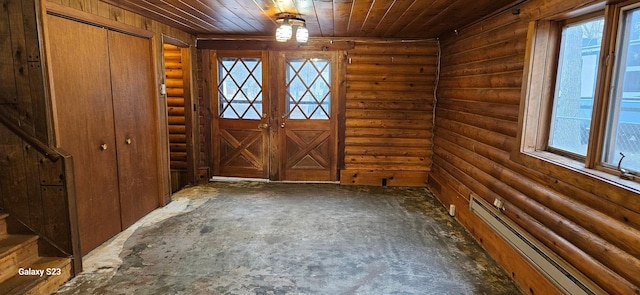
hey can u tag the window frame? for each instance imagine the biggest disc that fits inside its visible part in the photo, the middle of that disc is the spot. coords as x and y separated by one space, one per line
617 17
239 54
560 25
538 91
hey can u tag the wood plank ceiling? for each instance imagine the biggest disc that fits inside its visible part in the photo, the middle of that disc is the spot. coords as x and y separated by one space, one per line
324 18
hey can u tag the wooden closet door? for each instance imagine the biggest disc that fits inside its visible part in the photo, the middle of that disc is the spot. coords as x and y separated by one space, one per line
81 89
136 129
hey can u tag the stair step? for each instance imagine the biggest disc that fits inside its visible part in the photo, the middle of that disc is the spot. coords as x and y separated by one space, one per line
16 251
59 273
3 223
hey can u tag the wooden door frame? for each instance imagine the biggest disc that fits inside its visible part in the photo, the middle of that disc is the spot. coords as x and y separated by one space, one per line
278 105
192 122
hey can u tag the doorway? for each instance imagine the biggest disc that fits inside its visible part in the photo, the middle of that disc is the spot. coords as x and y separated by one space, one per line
293 135
176 58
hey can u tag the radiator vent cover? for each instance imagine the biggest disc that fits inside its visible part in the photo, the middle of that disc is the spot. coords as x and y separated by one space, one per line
557 270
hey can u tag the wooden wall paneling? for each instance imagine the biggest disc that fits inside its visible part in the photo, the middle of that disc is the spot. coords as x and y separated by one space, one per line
27 176
619 253
56 222
389 106
7 68
136 125
33 182
81 123
14 179
523 273
591 224
205 111
19 53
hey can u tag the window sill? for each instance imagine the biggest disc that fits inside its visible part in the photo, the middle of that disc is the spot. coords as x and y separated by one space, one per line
539 159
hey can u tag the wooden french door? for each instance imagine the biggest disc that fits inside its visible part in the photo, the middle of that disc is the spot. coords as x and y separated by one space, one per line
307 108
292 137
241 123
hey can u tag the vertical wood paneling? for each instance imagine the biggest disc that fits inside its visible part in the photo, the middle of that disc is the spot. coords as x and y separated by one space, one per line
475 134
389 105
33 191
20 70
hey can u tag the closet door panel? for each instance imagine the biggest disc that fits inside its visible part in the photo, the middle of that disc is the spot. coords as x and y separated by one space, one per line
135 109
81 88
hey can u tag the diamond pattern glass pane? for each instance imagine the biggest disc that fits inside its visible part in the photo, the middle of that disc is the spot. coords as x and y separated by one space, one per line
309 88
239 88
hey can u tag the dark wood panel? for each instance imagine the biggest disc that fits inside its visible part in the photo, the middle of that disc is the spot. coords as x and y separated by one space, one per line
136 125
7 69
357 18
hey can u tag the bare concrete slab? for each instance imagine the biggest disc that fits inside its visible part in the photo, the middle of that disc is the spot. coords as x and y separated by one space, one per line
277 238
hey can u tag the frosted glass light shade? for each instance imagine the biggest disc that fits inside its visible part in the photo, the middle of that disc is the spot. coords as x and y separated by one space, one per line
302 34
284 32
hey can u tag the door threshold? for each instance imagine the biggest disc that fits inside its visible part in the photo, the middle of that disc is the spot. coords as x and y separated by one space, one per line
306 181
247 179
236 179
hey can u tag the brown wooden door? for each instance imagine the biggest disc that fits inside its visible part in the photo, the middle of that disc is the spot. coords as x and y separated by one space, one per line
240 126
134 109
307 109
81 88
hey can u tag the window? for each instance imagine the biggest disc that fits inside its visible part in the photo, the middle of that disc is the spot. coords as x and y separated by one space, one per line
622 141
575 86
309 88
240 88
582 101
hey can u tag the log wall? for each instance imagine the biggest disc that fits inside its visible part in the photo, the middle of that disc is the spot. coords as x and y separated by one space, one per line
175 106
591 223
389 113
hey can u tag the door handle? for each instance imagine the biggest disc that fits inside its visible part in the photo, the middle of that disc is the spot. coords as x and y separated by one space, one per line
263 126
127 141
282 125
103 146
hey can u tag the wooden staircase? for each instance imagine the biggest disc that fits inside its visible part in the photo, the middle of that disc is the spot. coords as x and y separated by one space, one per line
20 265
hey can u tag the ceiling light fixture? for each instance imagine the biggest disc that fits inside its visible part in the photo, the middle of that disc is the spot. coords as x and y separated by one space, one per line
286 28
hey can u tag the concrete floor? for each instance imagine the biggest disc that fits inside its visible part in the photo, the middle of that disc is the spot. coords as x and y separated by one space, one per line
280 238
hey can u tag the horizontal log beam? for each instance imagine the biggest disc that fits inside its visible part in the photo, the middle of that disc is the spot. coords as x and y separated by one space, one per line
312 45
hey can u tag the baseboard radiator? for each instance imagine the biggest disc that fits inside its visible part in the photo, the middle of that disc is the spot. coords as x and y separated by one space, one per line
557 270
